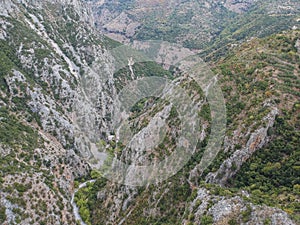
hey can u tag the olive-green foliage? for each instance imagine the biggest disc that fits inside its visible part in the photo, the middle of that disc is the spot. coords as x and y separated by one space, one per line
142 69
170 208
232 222
2 214
248 79
110 43
254 23
206 220
86 199
275 169
21 187
15 134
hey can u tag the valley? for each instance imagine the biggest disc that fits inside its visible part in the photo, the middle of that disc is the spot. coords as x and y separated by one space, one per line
209 92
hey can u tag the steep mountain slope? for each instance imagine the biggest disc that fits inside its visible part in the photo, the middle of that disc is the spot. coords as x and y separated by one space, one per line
45 48
257 167
266 72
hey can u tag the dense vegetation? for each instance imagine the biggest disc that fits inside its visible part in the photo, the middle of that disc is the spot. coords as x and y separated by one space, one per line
272 174
258 21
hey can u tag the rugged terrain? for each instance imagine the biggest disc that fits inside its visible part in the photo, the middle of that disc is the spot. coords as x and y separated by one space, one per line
200 25
45 48
59 78
257 168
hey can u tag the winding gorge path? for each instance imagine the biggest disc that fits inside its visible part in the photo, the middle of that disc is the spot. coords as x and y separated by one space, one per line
75 208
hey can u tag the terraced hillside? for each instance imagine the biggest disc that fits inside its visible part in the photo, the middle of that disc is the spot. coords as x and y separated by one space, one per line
201 25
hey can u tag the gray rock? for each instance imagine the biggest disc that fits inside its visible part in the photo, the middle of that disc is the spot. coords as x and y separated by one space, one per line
257 140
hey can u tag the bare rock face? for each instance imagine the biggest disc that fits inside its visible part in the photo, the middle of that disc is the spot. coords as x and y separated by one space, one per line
122 24
231 165
223 209
4 150
41 87
297 45
59 70
239 6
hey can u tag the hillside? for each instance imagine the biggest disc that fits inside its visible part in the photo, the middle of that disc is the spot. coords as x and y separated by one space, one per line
45 47
201 25
257 167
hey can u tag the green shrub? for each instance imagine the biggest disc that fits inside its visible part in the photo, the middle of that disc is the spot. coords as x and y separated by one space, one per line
206 220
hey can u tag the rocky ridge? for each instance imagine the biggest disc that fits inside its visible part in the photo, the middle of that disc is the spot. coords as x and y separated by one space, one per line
39 88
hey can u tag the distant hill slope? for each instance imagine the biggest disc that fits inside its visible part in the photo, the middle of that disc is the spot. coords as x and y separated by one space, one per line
204 25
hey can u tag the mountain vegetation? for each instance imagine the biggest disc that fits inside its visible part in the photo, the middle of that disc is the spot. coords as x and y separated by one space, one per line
58 86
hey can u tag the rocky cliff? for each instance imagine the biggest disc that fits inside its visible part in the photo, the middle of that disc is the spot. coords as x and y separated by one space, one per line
47 49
